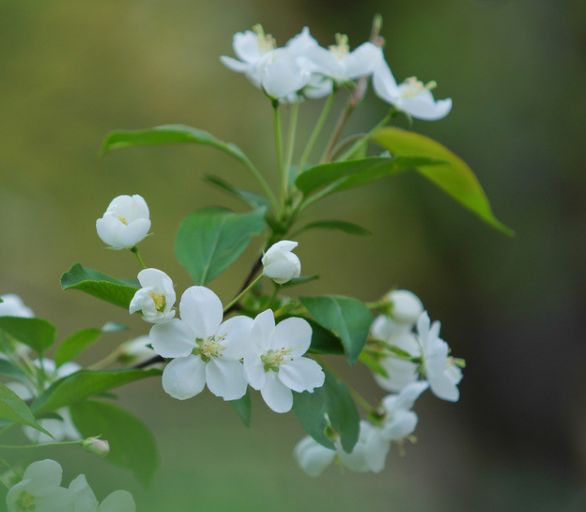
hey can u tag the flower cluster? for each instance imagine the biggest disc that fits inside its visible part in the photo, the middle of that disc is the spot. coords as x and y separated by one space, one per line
303 69
40 490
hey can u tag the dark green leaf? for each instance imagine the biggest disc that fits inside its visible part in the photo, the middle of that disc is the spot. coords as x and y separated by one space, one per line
15 410
76 343
296 281
335 400
337 176
453 175
7 369
243 407
85 383
339 225
346 317
323 341
115 291
132 445
211 239
34 332
250 198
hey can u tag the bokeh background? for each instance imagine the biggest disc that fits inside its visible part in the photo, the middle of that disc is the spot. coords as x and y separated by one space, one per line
72 71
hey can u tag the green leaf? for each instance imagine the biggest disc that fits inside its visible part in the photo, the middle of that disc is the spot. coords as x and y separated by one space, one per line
453 176
34 332
337 176
115 291
250 198
296 281
170 134
7 369
339 225
15 410
85 383
75 344
373 364
211 239
132 445
346 317
324 341
243 407
335 400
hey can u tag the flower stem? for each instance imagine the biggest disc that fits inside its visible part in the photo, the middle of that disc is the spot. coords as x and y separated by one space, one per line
136 252
291 133
321 121
277 125
243 293
41 445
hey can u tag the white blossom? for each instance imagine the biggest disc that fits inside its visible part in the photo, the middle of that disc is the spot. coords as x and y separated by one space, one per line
156 298
440 370
312 457
406 306
400 421
204 349
12 305
400 371
279 262
84 499
125 223
412 96
274 363
40 490
136 350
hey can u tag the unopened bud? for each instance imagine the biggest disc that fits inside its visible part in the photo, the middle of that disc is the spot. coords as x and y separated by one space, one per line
96 446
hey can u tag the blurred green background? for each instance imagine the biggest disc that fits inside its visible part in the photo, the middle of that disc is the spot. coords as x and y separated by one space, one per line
71 71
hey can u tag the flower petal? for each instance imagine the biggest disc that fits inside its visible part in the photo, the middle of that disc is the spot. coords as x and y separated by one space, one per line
44 474
312 457
293 334
254 371
301 374
83 496
236 333
118 501
262 331
184 377
202 309
276 395
226 379
172 339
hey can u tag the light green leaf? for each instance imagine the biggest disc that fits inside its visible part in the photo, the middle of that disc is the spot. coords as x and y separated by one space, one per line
250 198
346 317
34 332
132 444
335 400
339 225
211 239
115 291
337 176
243 407
7 369
373 364
15 410
453 176
85 383
75 344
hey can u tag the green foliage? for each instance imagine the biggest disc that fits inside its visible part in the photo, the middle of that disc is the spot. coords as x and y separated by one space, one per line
346 317
338 225
323 341
211 239
450 173
75 344
15 410
7 369
132 445
34 332
85 383
243 407
115 291
297 281
250 198
335 401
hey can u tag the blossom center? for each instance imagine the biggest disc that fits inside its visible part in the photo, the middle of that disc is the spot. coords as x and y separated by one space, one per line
25 502
272 359
414 87
265 42
341 48
122 219
159 300
209 348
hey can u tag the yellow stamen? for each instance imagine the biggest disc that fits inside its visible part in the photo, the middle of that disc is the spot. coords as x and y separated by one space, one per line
341 48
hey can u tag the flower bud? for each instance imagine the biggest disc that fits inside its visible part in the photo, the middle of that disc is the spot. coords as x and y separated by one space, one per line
125 223
406 306
96 446
156 298
280 264
136 351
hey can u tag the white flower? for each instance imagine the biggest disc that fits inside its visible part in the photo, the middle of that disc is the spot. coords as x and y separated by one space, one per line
441 372
312 457
274 364
85 500
412 96
400 421
406 307
12 305
156 298
136 350
204 349
275 70
125 223
279 262
400 371
40 490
